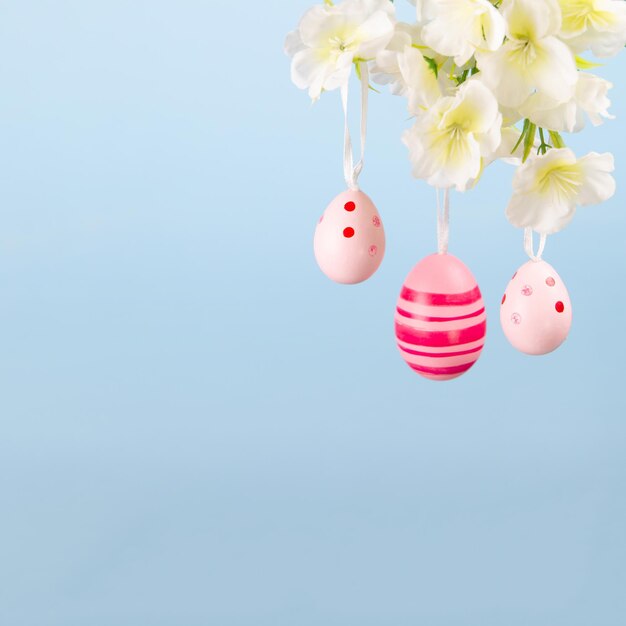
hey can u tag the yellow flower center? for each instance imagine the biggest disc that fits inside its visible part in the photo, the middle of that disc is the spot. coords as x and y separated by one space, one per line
565 180
580 15
337 43
524 52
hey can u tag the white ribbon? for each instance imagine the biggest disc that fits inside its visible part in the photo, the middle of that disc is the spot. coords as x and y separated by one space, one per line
352 172
529 245
443 221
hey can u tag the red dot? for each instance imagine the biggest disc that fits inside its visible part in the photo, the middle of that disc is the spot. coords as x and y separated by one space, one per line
560 307
349 206
503 298
348 232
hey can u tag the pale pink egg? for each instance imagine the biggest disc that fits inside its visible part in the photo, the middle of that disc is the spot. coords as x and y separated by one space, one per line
349 239
536 312
440 319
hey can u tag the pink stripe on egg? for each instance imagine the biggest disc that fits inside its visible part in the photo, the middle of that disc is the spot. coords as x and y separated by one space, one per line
426 318
437 311
446 349
440 339
439 355
455 361
440 326
442 371
441 299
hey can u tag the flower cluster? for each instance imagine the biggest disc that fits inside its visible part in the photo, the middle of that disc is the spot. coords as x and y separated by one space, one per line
484 80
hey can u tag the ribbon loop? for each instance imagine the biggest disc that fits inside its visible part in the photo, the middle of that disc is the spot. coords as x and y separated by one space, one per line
351 172
443 221
529 245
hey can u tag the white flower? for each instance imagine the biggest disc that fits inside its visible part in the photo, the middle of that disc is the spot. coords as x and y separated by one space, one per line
590 97
426 10
547 188
411 69
330 38
460 27
422 85
599 25
447 143
532 58
385 70
511 149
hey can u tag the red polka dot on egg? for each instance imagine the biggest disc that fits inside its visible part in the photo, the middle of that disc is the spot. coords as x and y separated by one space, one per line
560 307
349 206
348 232
503 298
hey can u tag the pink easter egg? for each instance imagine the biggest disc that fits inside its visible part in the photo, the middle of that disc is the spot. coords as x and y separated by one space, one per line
440 319
349 239
536 312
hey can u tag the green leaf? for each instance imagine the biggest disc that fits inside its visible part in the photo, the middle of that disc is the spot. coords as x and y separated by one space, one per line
557 140
529 140
432 64
462 78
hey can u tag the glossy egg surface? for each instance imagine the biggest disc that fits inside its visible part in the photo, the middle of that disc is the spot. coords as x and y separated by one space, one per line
440 319
536 312
349 239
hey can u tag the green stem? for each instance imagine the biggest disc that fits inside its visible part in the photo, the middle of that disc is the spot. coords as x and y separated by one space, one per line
521 137
545 146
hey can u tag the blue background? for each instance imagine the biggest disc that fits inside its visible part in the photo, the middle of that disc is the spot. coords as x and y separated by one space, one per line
198 428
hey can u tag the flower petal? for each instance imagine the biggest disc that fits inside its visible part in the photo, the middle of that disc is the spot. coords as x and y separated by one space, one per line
598 25
475 109
554 70
462 26
529 20
422 84
374 34
547 188
598 185
545 112
529 211
592 97
293 43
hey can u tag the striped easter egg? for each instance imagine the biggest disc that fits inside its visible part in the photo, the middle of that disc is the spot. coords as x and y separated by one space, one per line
440 318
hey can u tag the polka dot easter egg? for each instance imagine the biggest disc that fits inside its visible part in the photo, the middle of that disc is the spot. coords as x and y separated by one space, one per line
350 239
440 318
536 312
